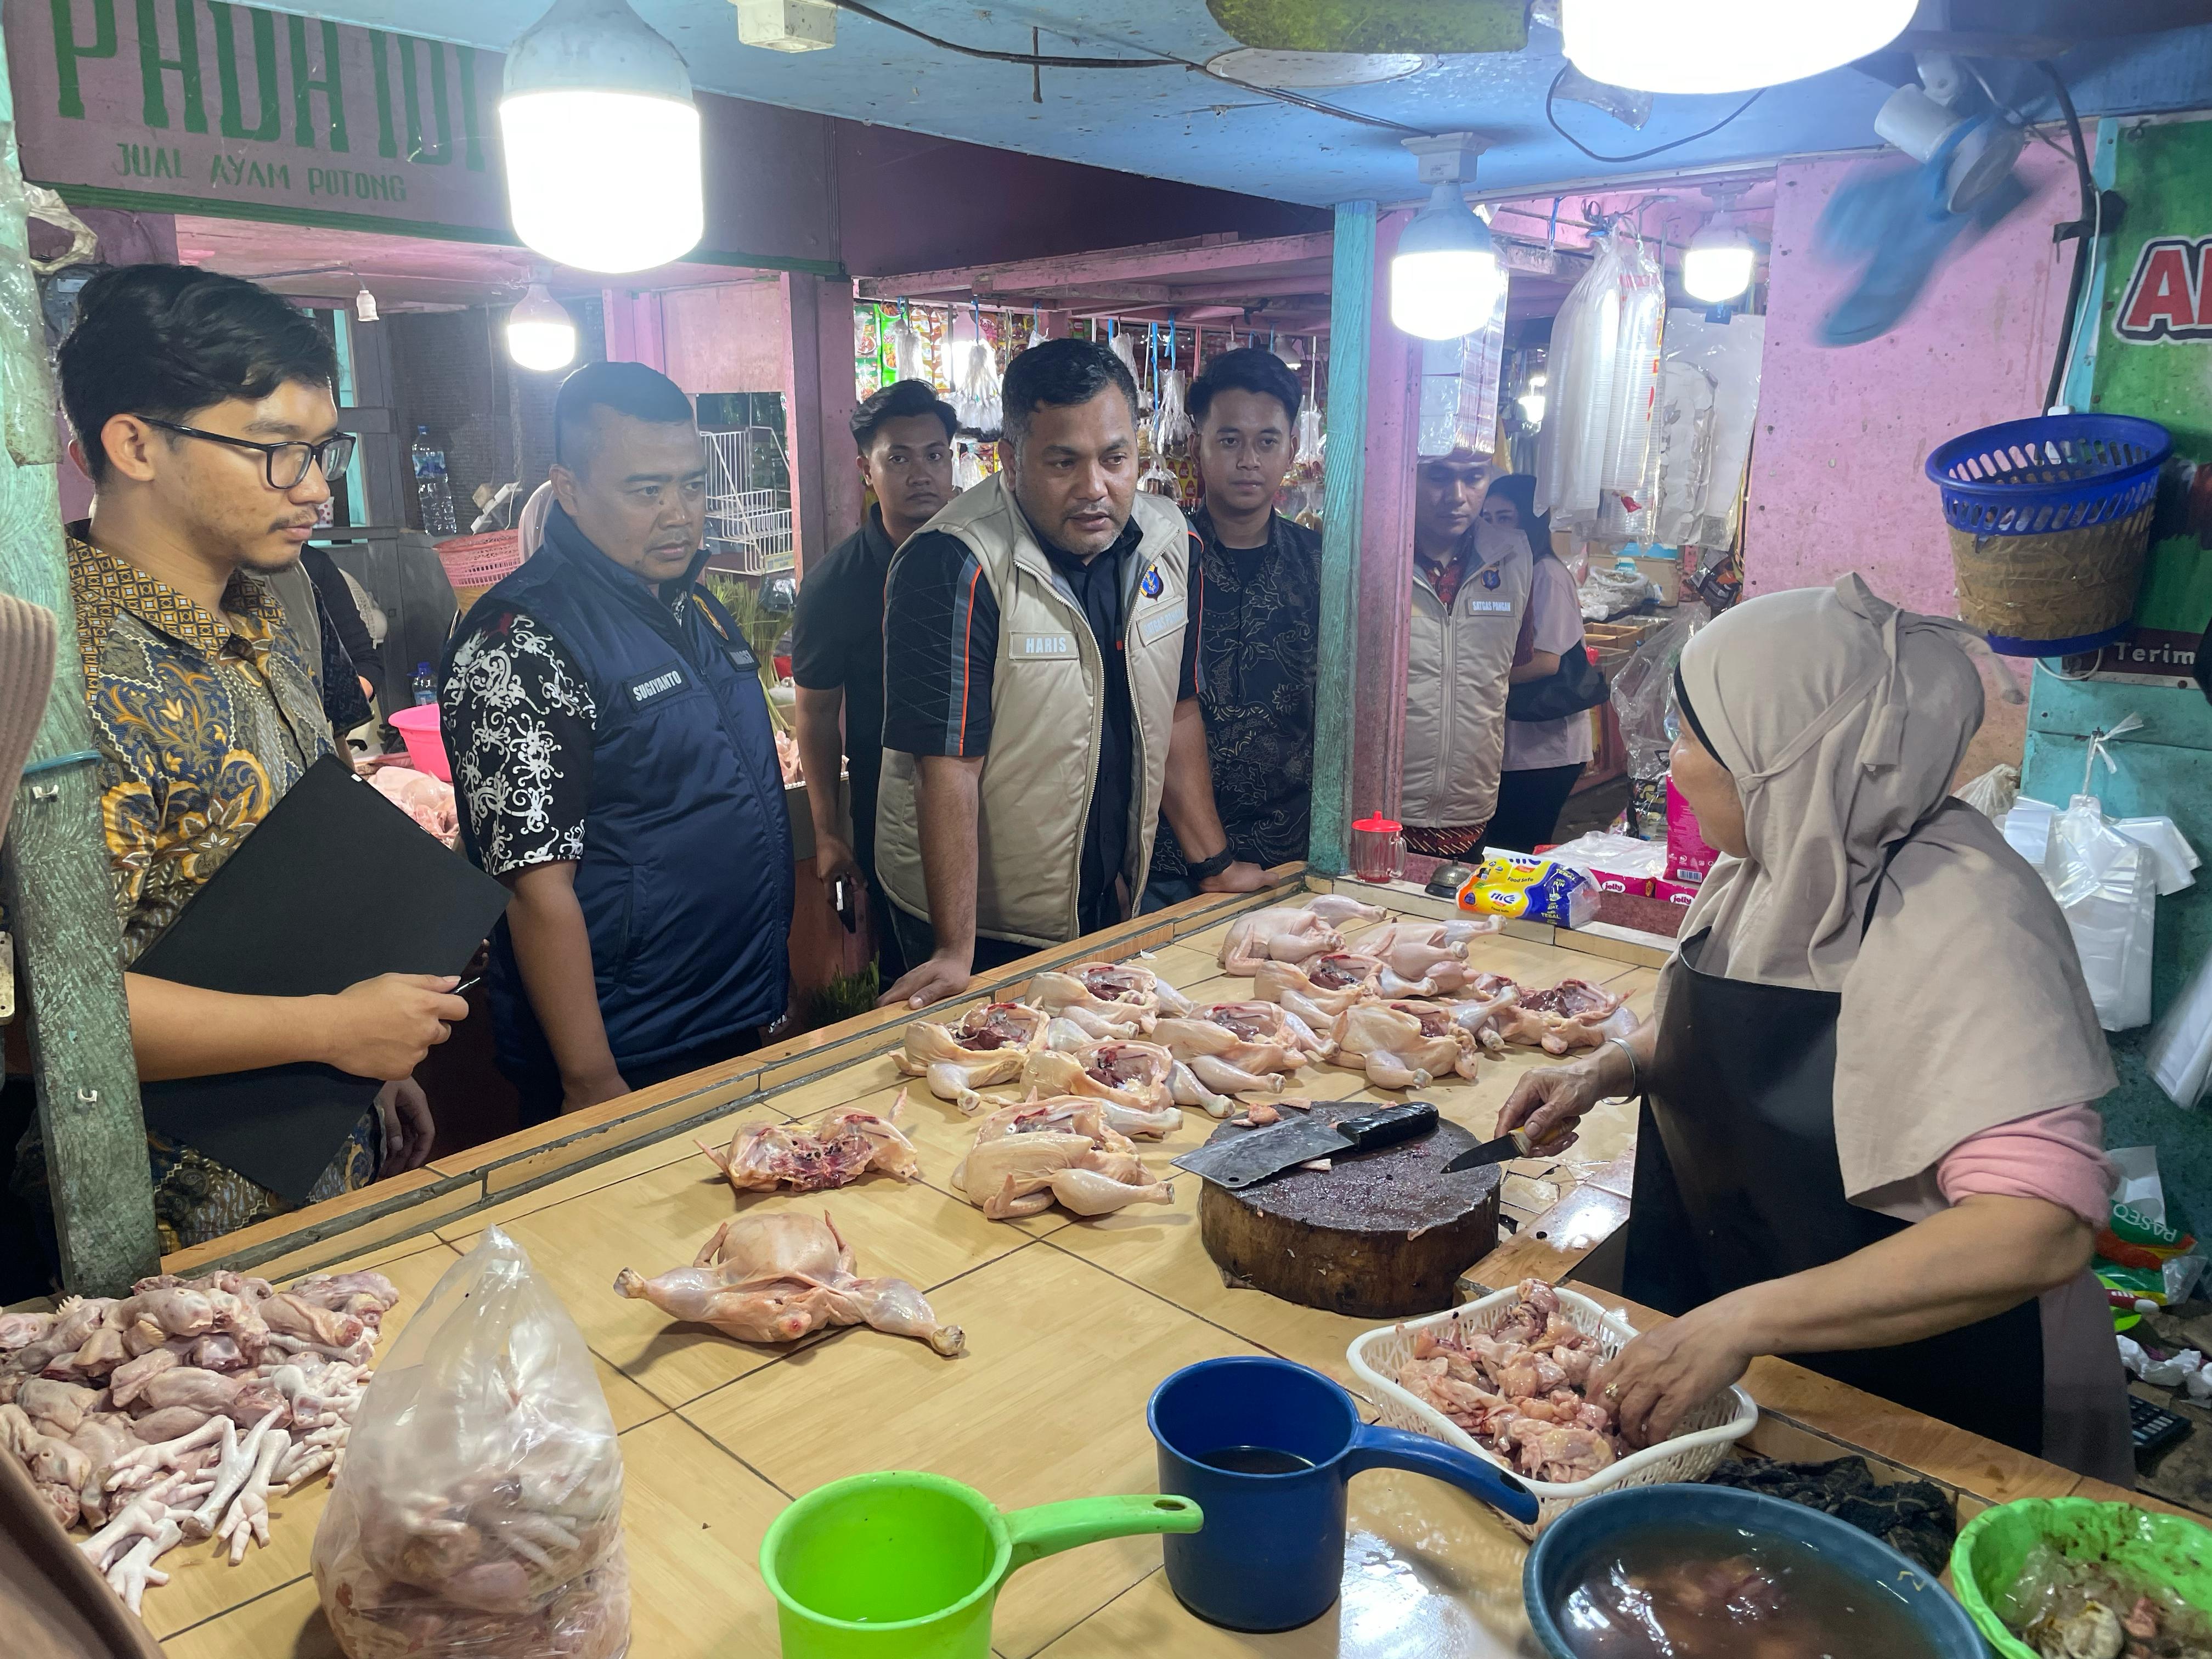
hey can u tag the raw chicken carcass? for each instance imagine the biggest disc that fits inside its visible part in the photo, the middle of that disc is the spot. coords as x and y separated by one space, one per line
1287 934
773 1277
1319 990
1573 1014
767 1157
1107 999
1241 1048
1405 1045
787 757
1421 959
1132 1074
984 1046
427 801
1025 1157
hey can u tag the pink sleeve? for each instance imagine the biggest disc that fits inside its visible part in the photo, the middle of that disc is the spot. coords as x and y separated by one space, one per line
2057 1156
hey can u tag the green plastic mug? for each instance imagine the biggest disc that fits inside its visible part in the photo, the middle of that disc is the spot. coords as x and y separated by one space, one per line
904 1565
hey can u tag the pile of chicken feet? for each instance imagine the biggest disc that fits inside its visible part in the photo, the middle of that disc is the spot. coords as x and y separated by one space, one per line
172 1414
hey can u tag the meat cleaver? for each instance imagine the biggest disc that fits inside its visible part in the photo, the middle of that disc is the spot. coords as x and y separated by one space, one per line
1243 1160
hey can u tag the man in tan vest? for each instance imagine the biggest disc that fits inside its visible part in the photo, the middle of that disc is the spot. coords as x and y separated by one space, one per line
1041 706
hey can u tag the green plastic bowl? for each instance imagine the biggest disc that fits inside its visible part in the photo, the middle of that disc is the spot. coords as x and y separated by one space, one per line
2149 1543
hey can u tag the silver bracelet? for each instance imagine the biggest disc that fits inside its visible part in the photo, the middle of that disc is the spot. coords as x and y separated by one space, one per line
1635 1072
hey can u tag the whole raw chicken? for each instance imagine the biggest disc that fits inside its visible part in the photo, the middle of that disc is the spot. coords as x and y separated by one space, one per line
984 1046
1023 1158
427 801
766 1157
1422 959
1135 1075
1319 990
1571 1015
1107 999
1405 1044
774 1276
1241 1048
1290 933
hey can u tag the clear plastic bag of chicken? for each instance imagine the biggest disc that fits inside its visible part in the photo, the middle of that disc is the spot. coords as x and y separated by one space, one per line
479 1512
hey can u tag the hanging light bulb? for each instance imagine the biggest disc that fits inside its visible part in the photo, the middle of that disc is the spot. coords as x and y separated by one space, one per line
1722 45
364 305
1718 261
601 140
540 334
1444 278
1532 407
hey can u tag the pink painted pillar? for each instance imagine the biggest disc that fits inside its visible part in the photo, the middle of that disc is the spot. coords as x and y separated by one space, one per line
635 333
825 486
1386 546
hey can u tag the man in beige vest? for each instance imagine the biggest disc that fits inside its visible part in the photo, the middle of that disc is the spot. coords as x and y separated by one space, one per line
1470 592
1041 707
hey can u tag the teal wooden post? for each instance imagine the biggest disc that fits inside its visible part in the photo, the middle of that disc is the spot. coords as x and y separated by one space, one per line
1351 309
54 873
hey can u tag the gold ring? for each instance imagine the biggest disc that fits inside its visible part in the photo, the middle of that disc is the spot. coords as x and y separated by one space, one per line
1613 1391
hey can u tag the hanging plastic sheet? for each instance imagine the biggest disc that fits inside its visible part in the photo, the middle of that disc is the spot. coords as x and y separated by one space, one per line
1629 492
1708 405
1571 452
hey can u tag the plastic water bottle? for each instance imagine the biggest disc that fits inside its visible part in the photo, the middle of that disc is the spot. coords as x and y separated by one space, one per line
426 685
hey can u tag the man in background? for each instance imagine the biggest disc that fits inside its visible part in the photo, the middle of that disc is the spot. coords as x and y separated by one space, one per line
201 409
1470 591
1041 644
614 766
904 435
1262 580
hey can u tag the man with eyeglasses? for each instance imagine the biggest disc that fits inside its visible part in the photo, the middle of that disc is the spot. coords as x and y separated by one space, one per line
201 409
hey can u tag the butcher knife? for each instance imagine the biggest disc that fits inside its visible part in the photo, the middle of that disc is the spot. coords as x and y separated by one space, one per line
1243 1160
1516 1144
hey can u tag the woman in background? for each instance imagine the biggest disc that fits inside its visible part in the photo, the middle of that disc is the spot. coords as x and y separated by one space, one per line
1543 758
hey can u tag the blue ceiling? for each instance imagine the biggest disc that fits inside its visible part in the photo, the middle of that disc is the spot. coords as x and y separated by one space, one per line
1176 123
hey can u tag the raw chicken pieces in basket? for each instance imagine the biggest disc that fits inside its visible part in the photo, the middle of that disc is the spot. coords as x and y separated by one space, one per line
1518 1388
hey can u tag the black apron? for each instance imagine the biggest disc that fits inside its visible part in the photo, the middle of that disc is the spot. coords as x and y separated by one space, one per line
1738 1181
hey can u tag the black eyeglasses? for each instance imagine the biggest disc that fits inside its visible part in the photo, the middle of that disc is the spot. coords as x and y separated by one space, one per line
286 464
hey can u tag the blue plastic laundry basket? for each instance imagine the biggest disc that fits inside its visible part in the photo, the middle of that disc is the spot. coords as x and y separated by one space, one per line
2048 520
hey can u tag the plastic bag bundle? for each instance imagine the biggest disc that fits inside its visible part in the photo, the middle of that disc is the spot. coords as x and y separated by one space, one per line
1630 486
1171 421
1992 794
2107 886
1643 693
1571 453
1119 346
910 357
2179 1053
1309 437
976 402
479 1513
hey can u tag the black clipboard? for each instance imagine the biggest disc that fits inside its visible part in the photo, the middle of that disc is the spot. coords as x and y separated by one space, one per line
336 885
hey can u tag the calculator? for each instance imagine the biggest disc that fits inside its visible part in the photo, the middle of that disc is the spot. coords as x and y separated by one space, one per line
2154 1428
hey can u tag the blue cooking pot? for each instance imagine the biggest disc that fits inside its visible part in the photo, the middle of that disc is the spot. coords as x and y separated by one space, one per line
1558 1560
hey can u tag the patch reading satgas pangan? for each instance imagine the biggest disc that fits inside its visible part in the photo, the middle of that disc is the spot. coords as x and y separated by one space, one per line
657 685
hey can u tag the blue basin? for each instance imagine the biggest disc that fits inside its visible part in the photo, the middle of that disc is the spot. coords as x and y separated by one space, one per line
1556 1558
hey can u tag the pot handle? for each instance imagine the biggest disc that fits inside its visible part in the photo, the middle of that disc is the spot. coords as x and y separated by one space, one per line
1051 1527
1377 1447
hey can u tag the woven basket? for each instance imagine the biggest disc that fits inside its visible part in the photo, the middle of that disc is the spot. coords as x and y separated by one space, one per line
1694 1452
2058 586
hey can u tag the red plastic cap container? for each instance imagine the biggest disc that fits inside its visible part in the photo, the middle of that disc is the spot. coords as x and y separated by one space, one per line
1378 825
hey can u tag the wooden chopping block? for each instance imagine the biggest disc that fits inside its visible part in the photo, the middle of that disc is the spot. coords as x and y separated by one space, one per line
1378 1235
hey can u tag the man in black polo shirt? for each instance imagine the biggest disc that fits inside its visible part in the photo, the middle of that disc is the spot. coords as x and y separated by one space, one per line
1261 575
904 434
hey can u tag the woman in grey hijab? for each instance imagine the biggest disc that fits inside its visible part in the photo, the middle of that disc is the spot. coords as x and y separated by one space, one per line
1866 1142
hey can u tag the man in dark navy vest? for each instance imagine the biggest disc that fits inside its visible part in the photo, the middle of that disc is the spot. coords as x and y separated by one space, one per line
615 767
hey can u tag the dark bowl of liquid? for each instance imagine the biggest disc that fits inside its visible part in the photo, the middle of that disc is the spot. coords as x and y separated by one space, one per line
1712 1572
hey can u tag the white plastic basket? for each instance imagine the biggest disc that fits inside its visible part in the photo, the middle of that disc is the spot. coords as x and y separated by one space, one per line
1695 1450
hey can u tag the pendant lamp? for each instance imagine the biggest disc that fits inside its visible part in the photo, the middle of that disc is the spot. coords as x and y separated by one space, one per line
1718 261
540 334
601 140
1445 277
1723 45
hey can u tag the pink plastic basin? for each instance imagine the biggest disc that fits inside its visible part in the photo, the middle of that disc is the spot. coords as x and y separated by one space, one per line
426 744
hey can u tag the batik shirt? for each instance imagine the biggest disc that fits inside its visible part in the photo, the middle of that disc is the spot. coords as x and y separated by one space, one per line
202 722
1258 653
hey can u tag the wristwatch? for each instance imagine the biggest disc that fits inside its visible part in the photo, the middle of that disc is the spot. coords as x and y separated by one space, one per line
1213 866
